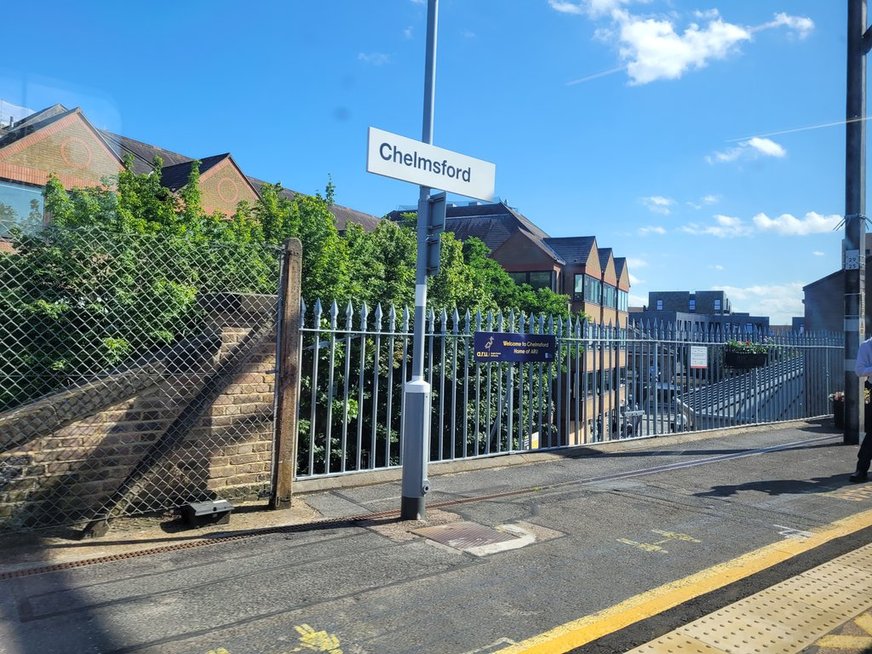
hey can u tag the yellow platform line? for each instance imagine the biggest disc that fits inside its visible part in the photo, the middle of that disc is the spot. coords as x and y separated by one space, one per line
641 607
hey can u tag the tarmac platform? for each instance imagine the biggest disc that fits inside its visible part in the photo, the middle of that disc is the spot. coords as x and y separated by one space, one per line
735 541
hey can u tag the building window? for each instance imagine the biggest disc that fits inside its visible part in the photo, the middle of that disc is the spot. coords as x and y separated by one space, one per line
623 301
659 305
592 290
20 206
587 288
691 305
717 306
610 296
537 279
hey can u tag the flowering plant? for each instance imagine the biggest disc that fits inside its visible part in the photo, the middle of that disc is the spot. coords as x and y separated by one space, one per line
839 396
746 347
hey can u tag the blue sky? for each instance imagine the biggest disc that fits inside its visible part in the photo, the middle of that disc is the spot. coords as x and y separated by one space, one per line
669 129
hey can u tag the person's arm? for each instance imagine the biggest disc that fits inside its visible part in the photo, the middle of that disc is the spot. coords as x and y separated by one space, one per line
863 366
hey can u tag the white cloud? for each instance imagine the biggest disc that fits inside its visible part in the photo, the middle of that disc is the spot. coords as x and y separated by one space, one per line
567 7
658 48
767 147
591 8
468 34
716 266
780 302
725 157
654 50
801 25
789 225
818 253
704 201
784 225
635 281
408 33
633 262
724 227
658 204
751 148
374 58
651 229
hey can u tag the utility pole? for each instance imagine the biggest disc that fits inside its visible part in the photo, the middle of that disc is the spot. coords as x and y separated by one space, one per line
416 422
854 254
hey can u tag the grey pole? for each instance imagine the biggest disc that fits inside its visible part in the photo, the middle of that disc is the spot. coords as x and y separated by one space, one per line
416 421
854 257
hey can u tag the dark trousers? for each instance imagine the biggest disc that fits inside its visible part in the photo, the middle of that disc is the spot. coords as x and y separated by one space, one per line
864 456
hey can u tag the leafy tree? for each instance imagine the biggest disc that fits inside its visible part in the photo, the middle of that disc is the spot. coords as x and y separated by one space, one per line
325 258
381 265
116 276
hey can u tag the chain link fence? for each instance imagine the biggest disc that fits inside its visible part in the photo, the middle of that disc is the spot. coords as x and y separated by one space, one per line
136 373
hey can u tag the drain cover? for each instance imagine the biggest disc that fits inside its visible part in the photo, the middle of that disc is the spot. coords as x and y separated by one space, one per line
464 535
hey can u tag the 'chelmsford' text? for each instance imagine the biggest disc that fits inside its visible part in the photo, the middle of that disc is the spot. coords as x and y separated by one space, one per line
390 152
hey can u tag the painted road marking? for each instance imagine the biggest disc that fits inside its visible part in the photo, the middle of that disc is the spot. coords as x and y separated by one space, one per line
522 539
656 547
309 641
851 643
493 647
861 493
790 532
641 607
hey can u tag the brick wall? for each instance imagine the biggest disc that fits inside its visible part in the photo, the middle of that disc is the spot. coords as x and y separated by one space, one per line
193 424
222 188
68 148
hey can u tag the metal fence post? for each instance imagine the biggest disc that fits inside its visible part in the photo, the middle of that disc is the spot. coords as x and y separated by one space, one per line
287 375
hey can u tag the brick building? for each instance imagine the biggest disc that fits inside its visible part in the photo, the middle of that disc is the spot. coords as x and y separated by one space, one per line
61 141
596 281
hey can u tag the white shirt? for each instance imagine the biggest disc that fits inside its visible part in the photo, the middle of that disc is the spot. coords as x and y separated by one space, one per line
863 366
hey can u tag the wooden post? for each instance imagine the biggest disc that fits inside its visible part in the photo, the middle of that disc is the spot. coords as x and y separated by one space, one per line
287 376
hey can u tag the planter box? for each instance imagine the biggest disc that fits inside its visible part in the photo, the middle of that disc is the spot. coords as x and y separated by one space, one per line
735 359
839 414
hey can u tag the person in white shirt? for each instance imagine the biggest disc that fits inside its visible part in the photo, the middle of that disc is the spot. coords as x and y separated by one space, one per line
863 368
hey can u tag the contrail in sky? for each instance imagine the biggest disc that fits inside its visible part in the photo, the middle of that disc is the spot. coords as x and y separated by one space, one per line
596 75
801 129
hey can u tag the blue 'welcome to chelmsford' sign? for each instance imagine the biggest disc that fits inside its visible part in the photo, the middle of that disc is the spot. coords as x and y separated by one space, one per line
497 347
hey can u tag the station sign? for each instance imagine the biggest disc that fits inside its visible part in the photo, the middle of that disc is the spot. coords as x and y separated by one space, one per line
500 347
398 157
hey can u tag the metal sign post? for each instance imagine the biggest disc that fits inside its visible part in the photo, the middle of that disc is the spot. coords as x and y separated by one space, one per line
854 259
416 421
420 162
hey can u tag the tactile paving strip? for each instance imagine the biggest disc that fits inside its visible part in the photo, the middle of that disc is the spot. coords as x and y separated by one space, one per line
782 619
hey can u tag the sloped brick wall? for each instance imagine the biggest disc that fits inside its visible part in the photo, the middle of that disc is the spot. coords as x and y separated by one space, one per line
191 425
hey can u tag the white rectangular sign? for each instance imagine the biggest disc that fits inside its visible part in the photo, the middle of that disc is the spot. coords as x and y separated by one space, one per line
698 357
402 158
